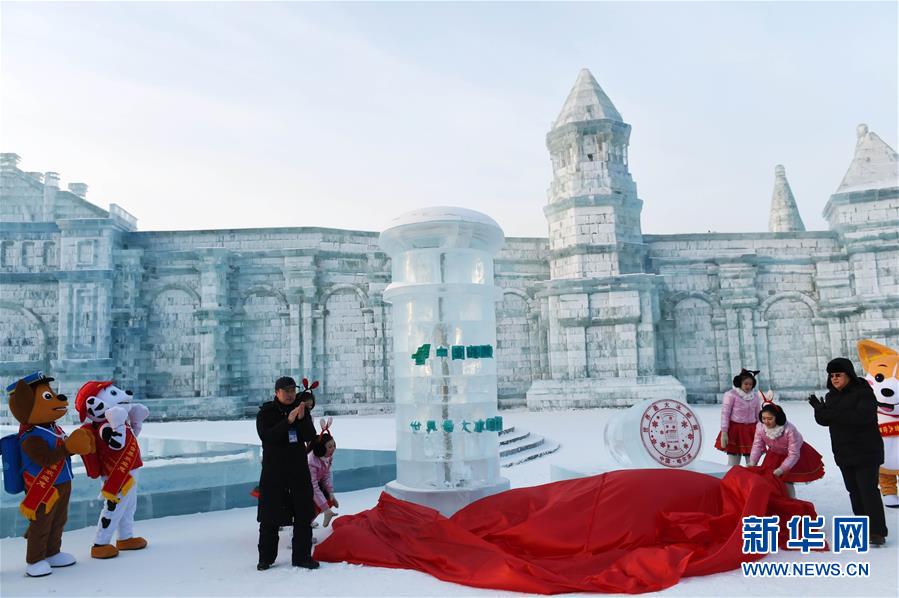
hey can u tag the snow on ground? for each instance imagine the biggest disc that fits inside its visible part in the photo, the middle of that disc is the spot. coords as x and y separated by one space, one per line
214 554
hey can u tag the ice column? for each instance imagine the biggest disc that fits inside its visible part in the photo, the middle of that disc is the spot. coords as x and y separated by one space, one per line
444 356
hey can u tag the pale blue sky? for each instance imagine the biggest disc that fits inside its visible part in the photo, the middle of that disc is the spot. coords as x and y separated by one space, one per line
234 115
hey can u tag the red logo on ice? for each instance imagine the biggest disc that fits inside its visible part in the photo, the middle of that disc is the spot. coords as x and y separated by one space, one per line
670 432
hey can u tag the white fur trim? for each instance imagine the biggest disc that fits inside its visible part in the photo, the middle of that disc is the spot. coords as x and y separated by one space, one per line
775 432
746 396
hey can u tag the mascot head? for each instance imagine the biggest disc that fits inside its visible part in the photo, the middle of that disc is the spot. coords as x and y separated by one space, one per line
32 401
95 397
881 366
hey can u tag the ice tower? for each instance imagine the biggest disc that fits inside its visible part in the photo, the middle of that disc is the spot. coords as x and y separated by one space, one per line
601 305
444 337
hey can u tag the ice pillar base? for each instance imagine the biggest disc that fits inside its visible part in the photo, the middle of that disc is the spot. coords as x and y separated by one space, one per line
446 501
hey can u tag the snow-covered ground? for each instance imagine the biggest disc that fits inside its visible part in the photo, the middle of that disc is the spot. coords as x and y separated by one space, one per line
214 554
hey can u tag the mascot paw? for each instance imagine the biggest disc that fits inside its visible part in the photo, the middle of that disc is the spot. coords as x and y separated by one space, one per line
104 551
116 416
112 437
38 569
891 501
61 559
137 413
81 442
135 543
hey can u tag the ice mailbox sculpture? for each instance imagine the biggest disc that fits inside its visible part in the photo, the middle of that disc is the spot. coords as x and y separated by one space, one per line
444 338
655 433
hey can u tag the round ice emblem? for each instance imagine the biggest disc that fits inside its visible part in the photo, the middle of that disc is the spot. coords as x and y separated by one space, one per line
670 433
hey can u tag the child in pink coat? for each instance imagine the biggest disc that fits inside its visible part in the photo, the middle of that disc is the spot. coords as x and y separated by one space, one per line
739 415
320 459
787 456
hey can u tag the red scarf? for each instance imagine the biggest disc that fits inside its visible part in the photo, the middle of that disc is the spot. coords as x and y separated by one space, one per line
39 489
120 479
889 428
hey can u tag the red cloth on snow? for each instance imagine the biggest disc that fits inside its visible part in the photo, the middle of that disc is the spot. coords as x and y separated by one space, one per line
626 531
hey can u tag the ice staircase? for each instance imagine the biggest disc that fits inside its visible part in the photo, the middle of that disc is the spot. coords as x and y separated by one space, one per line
518 446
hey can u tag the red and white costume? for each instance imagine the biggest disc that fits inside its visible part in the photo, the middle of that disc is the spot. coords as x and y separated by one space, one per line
115 423
785 450
739 414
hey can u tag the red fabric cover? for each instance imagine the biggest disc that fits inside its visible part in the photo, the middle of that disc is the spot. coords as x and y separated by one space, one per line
739 439
808 468
626 531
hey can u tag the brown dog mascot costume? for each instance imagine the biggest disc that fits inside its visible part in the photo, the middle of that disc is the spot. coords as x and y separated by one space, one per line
47 469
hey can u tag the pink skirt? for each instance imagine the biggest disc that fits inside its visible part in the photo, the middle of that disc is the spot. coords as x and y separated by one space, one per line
808 468
739 439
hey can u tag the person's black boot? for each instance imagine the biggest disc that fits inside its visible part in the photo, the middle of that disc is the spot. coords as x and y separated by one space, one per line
308 563
262 566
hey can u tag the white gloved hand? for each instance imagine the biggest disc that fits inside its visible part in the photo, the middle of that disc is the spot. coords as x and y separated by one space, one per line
136 416
116 416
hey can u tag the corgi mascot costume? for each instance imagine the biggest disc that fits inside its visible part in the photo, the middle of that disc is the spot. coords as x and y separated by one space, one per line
881 365
45 469
114 422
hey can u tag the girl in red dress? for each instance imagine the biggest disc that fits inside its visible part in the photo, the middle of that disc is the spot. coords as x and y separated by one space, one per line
739 415
787 456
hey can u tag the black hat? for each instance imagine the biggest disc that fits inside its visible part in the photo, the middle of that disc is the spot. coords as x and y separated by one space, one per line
285 382
841 365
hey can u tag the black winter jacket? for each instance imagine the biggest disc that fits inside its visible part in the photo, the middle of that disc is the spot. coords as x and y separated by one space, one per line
851 415
285 487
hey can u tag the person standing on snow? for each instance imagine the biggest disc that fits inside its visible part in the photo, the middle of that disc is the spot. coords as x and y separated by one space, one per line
849 410
285 487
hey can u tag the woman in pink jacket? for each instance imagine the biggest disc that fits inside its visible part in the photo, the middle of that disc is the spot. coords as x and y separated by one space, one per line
739 415
787 456
320 458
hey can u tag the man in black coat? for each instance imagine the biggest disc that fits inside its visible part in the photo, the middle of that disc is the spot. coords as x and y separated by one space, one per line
849 410
285 488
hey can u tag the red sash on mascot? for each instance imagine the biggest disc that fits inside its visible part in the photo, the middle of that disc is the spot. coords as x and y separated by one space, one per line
39 489
889 428
120 479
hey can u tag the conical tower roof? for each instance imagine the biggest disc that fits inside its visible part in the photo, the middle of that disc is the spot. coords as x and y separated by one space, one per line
586 101
874 166
784 216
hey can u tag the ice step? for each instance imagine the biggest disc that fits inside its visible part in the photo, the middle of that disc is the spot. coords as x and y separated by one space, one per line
545 448
532 441
521 446
513 438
